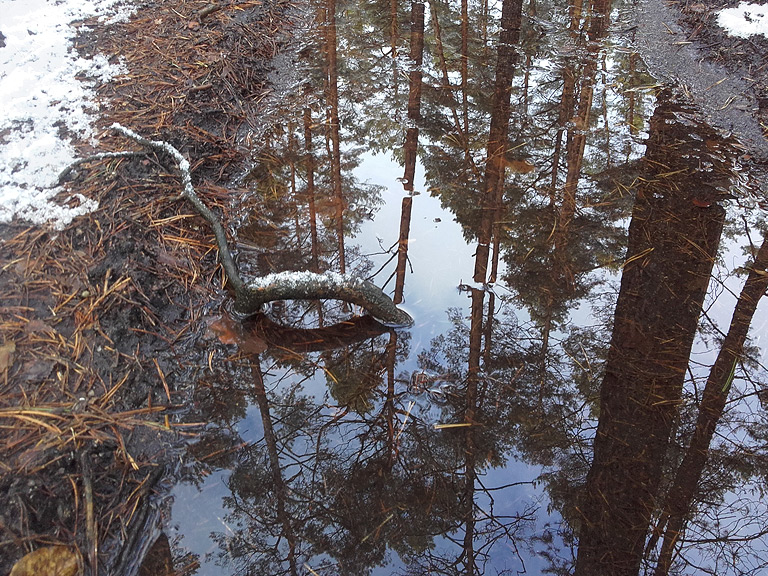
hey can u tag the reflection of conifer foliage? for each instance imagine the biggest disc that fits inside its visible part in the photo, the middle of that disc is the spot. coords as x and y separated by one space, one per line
550 248
548 280
524 407
348 491
540 411
373 89
354 373
344 497
277 209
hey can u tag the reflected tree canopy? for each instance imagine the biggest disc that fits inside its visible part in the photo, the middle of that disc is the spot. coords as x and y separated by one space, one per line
565 417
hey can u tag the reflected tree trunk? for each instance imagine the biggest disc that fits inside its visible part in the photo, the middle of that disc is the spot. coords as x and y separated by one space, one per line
469 552
470 409
485 15
546 331
679 500
509 38
564 114
414 93
488 329
279 485
332 98
577 133
310 167
390 410
293 155
411 141
607 127
630 94
458 123
672 246
566 108
402 249
393 38
465 65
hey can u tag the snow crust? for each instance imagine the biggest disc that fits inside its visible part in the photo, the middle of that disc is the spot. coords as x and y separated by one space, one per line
44 105
744 20
300 279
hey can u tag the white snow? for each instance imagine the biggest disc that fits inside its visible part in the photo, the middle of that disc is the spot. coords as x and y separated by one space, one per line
301 280
744 20
43 106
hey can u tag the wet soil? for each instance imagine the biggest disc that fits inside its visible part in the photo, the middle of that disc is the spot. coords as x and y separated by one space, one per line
723 76
747 57
743 59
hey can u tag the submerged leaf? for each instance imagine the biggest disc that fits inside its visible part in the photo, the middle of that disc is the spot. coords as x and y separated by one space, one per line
49 561
229 331
225 330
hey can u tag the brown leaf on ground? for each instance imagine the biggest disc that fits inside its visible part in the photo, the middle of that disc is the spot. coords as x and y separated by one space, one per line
49 561
6 355
37 326
36 370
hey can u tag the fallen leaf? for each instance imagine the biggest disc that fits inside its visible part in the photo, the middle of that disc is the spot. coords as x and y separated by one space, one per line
229 331
37 326
49 561
36 370
225 329
6 355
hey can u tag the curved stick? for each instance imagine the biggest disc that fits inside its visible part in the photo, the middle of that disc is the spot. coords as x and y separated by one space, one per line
291 340
230 268
250 297
311 286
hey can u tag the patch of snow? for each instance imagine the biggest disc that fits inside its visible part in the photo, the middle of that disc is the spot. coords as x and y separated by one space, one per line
44 105
304 280
744 20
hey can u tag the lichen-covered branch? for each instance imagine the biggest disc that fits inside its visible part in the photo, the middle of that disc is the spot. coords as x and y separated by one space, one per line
251 296
326 286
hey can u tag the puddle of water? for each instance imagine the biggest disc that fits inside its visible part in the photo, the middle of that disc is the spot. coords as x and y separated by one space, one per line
465 443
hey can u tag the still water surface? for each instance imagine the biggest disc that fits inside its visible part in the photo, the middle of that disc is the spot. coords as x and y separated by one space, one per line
572 235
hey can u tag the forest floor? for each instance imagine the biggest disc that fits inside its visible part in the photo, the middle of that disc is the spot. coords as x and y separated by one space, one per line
741 55
103 324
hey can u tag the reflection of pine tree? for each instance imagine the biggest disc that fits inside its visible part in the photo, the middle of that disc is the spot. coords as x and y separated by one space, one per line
679 500
301 234
354 374
663 285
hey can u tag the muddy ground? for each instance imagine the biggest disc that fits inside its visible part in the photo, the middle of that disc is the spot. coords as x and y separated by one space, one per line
104 324
747 57
743 58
